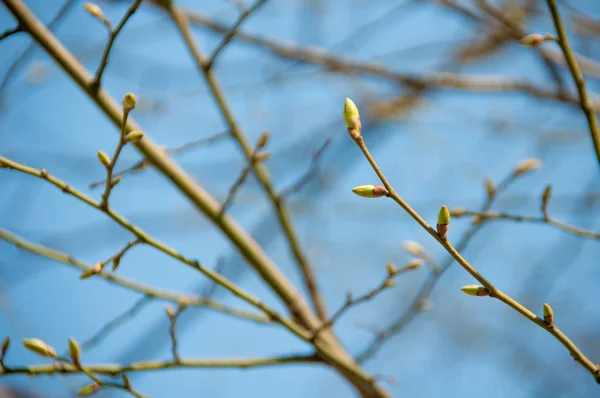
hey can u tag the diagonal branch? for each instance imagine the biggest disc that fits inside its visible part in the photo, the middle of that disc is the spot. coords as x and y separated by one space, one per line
124 282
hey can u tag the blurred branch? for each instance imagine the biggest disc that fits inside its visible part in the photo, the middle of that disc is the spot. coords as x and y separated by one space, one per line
332 63
145 366
416 305
227 39
309 175
10 31
488 289
484 216
147 239
281 210
143 164
112 36
54 23
126 283
587 106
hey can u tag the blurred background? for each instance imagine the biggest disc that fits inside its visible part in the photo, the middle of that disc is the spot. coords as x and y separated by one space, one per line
437 145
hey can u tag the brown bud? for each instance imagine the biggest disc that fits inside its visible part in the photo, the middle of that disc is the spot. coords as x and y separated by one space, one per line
89 389
261 157
262 140
490 188
5 345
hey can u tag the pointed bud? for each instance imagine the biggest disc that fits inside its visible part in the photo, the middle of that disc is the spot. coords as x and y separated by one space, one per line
413 247
443 221
532 39
126 382
5 345
89 390
415 263
458 212
389 283
546 197
129 101
262 140
349 297
74 351
169 312
490 188
134 136
116 263
475 290
39 347
391 269
548 315
95 10
352 119
370 191
104 158
115 181
261 157
526 165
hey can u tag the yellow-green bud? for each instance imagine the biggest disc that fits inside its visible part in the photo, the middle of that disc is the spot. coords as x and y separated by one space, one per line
74 351
475 290
526 165
548 315
115 181
352 119
415 263
391 269
370 191
443 221
169 312
104 158
134 136
126 382
413 247
39 347
95 10
532 39
129 101
89 389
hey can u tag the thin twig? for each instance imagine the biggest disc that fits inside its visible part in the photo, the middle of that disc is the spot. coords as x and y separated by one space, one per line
126 283
484 216
227 39
146 366
113 33
10 31
281 210
312 171
586 103
492 290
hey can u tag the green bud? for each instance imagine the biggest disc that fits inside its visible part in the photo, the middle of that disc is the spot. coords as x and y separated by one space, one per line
370 191
89 389
104 158
134 136
126 382
475 290
352 118
115 181
443 221
129 101
74 351
548 315
546 196
39 347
